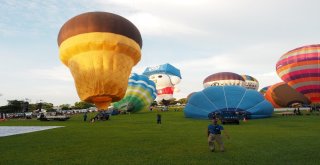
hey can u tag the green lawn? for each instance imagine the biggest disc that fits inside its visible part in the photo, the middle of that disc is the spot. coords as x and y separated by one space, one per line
137 139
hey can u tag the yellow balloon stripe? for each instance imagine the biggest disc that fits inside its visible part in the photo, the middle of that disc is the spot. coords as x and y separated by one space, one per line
139 92
99 41
100 64
303 50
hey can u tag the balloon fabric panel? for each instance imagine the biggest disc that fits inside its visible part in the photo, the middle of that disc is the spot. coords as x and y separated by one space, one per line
225 98
140 93
100 72
300 68
100 50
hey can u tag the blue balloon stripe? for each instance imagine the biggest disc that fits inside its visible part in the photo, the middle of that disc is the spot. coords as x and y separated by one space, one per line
152 93
151 88
140 82
140 92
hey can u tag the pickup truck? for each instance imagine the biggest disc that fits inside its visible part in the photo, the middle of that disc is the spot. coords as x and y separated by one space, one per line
45 117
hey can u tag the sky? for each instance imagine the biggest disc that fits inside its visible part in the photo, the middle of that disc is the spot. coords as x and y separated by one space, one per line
200 37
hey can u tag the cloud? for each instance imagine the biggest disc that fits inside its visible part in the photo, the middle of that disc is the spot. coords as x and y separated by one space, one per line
249 60
60 73
150 24
38 17
267 79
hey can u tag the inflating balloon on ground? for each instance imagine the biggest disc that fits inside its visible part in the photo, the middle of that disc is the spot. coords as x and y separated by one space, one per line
281 95
227 98
140 93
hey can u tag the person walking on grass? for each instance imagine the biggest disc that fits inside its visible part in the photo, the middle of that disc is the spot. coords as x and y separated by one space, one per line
214 134
158 118
85 116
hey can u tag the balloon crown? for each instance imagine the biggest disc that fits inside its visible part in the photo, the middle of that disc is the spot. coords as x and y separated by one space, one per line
164 68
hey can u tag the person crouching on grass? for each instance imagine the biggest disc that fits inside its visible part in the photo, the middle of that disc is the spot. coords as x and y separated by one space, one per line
214 134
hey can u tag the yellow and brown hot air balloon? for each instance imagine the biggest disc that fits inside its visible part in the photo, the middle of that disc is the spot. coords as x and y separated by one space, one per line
100 50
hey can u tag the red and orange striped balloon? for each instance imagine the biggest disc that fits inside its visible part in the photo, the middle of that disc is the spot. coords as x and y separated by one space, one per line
300 68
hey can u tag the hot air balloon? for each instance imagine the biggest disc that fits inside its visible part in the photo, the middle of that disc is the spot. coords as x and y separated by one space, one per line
227 98
139 95
264 90
224 79
189 95
251 82
300 69
166 77
282 95
100 50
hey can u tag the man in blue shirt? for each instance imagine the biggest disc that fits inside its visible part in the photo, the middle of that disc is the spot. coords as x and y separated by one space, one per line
214 134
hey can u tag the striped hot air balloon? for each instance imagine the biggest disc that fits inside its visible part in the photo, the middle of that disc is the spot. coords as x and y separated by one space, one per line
224 79
251 82
300 68
139 95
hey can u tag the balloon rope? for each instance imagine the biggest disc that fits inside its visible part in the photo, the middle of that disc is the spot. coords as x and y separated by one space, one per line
225 98
256 105
241 99
209 100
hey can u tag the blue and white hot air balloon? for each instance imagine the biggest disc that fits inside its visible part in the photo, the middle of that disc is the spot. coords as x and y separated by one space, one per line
227 98
166 77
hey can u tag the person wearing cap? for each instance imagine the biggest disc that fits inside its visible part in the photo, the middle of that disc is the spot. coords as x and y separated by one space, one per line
214 134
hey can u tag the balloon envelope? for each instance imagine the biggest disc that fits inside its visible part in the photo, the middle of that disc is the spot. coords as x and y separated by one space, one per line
164 68
282 95
166 77
300 68
264 90
251 82
229 98
100 50
223 79
139 95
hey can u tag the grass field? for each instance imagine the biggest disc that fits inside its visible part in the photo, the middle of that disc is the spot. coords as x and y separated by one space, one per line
137 139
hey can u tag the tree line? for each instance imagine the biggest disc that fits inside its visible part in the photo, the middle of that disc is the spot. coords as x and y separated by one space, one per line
19 106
